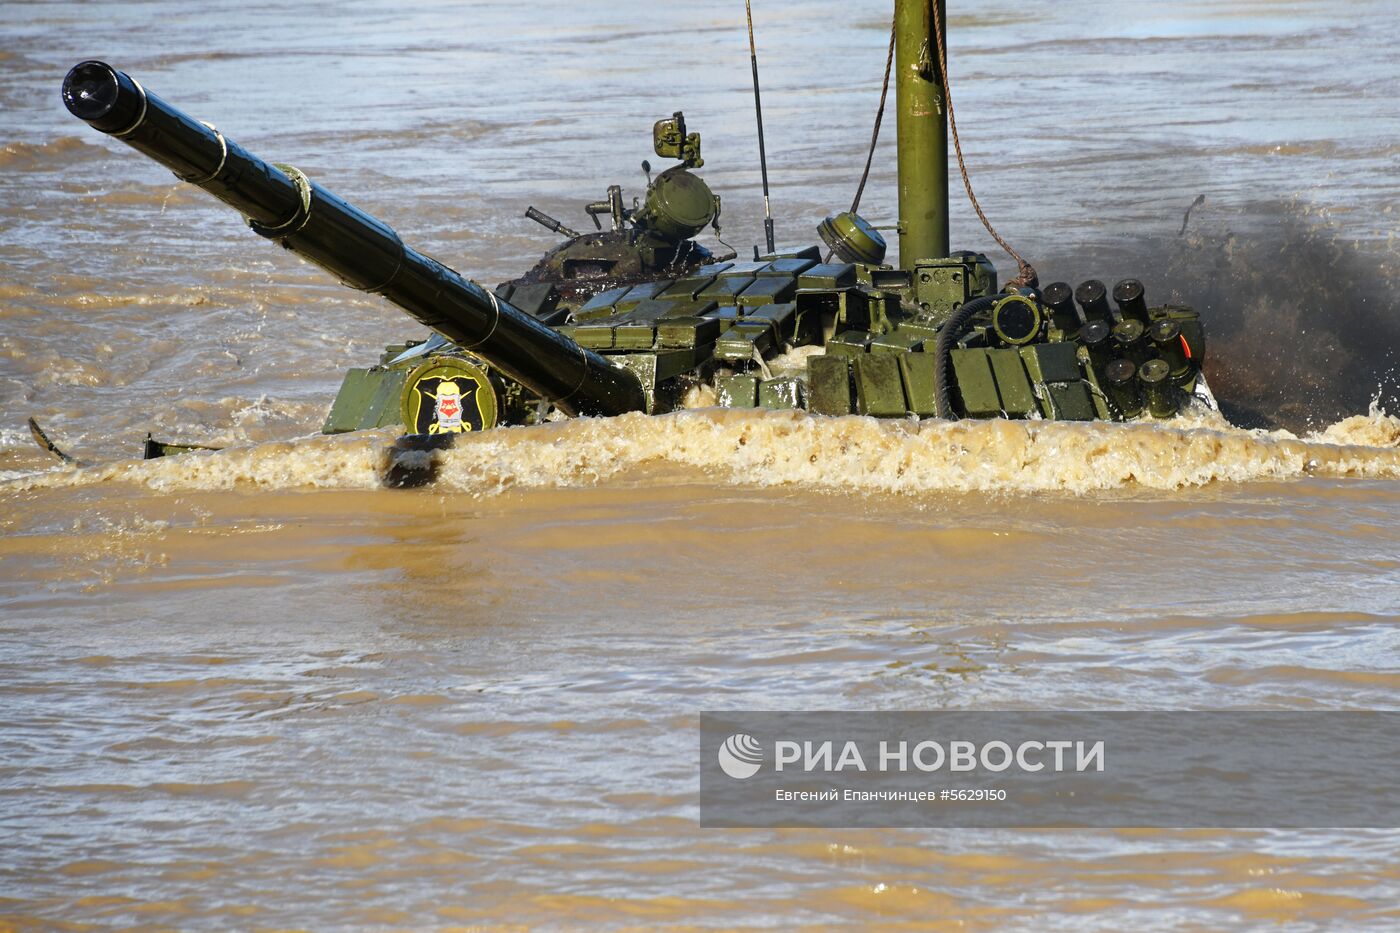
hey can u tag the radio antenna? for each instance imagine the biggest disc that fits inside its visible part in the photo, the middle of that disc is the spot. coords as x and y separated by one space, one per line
762 150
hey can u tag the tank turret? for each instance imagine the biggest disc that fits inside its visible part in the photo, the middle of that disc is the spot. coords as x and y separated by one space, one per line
650 240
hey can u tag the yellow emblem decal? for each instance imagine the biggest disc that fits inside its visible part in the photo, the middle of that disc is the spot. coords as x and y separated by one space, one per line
448 395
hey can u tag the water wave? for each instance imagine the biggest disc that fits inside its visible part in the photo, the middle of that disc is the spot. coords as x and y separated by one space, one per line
63 150
758 448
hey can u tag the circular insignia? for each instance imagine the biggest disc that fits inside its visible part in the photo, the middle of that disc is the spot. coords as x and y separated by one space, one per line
448 395
1017 320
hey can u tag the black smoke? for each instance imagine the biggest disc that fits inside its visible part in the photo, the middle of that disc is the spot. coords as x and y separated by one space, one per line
1302 322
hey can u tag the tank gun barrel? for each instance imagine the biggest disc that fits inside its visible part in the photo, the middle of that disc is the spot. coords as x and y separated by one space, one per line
281 204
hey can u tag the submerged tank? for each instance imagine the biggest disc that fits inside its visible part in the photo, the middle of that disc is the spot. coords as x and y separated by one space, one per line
640 316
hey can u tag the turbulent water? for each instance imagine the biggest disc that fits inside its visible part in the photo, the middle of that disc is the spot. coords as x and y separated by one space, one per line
250 689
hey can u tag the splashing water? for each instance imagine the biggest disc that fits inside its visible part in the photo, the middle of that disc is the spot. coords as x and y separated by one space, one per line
756 448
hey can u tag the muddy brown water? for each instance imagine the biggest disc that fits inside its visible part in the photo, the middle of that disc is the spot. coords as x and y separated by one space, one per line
250 690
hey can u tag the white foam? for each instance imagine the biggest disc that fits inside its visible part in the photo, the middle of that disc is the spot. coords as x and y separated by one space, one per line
865 454
762 448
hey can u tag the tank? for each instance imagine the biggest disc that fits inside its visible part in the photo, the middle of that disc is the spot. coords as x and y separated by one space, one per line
636 316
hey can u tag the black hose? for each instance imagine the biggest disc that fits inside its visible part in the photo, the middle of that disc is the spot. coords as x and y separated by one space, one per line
943 352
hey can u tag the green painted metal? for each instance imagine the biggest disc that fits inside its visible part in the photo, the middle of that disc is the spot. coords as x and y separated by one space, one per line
1070 401
916 370
1052 362
737 391
943 284
829 385
679 332
852 239
368 398
879 390
1013 384
828 276
784 392
679 204
767 290
922 133
726 288
976 384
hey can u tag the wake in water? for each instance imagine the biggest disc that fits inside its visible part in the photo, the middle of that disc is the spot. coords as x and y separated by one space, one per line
759 448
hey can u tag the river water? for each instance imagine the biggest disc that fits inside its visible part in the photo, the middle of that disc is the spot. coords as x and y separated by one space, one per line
250 690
